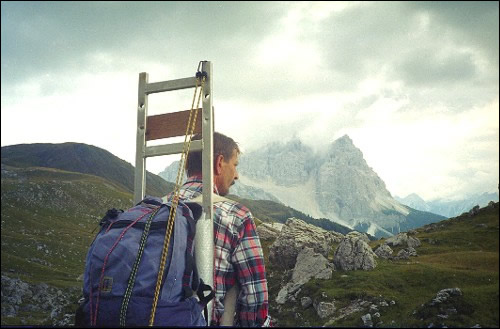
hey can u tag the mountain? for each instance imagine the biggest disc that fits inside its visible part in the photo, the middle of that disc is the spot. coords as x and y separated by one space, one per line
82 158
336 184
414 201
448 208
250 192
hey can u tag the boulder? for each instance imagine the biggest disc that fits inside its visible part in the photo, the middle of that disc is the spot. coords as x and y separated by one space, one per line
358 235
287 292
324 309
269 231
384 251
295 235
354 254
311 265
306 302
474 211
406 253
367 320
403 239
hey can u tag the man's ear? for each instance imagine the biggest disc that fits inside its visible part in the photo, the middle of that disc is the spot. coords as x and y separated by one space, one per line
218 164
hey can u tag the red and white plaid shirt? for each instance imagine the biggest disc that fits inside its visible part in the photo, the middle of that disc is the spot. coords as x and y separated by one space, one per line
238 256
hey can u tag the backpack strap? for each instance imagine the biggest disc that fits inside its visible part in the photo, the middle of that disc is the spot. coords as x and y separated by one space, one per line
135 267
204 300
190 263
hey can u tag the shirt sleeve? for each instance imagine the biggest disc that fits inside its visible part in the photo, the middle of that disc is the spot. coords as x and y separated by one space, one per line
248 259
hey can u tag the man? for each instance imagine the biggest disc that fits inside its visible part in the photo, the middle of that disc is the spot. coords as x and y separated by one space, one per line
238 253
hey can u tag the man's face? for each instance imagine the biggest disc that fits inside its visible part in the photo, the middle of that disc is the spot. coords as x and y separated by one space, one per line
228 175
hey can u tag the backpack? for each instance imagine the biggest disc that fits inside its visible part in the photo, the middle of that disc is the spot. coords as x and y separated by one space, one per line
122 267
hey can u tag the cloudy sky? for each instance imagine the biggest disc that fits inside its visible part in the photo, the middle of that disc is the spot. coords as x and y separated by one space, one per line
415 85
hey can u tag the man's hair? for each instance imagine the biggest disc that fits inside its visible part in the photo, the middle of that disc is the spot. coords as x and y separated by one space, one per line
222 145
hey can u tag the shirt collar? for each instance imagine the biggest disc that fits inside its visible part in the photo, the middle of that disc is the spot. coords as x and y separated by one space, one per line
199 179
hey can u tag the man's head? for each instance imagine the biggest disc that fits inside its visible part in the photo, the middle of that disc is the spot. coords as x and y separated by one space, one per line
226 152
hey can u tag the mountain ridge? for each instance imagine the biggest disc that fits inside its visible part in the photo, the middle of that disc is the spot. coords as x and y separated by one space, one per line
336 183
83 158
448 208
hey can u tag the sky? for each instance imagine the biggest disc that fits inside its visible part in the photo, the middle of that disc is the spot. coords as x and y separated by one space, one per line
415 85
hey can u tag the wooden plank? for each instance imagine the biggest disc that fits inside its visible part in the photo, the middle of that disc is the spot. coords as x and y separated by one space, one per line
170 125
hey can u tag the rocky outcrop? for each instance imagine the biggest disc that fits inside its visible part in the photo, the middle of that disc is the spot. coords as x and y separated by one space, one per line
354 254
474 211
406 253
295 235
309 265
19 296
269 231
324 309
447 303
384 251
358 235
403 239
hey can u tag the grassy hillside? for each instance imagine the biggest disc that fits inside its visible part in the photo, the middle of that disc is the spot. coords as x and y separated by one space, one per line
47 220
48 216
270 211
460 252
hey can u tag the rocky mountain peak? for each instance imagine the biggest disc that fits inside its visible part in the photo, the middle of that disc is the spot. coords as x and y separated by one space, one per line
344 151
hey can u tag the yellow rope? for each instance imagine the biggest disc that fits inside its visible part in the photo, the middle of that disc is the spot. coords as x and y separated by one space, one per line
175 199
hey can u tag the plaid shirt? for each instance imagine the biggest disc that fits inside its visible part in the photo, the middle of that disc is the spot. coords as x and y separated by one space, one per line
238 256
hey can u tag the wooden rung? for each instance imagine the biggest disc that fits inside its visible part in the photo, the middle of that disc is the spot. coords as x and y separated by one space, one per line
170 125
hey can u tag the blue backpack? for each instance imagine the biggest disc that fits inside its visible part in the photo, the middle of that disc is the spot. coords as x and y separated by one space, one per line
122 267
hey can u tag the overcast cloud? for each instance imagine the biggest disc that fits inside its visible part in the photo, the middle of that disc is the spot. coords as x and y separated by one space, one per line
414 84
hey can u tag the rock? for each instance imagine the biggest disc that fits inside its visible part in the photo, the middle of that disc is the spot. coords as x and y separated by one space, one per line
269 231
19 296
384 251
324 309
474 211
444 294
354 307
287 292
406 253
402 239
311 265
367 320
354 254
295 235
358 235
306 302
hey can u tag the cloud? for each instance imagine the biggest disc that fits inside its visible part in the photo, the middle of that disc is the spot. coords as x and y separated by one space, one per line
414 84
